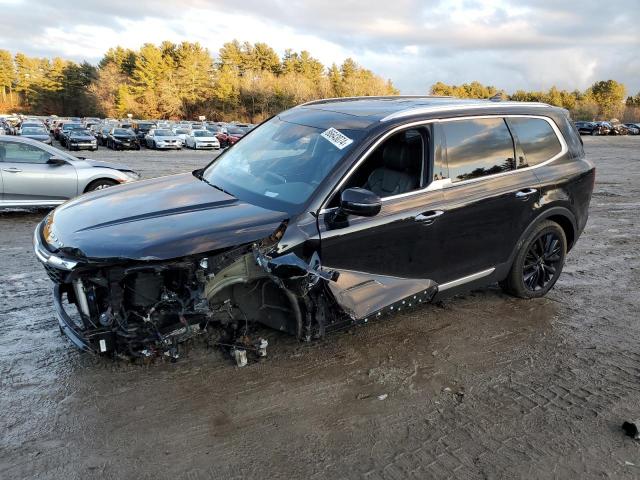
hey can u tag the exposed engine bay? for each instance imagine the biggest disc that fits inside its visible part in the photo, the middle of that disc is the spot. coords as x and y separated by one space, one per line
148 309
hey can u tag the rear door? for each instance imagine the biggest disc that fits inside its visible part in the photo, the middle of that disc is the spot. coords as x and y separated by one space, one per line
488 203
27 178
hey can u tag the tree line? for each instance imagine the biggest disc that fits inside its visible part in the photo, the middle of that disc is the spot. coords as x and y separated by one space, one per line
604 100
244 82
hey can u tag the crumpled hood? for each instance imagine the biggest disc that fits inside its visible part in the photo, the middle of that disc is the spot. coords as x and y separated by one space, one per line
158 219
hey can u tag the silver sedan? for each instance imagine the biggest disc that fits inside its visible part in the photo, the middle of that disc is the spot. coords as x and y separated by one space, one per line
33 174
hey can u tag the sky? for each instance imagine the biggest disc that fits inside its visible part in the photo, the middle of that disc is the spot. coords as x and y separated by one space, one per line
510 44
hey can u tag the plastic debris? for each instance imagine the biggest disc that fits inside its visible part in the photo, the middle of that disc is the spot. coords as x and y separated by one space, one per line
240 356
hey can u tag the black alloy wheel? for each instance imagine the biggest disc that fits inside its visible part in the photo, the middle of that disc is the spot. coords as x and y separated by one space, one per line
542 261
538 263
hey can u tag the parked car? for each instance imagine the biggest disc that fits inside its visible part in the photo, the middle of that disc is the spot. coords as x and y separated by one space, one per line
182 133
605 128
122 139
160 138
634 128
39 175
619 129
36 133
588 128
80 139
230 135
65 129
142 128
30 124
102 134
202 139
329 214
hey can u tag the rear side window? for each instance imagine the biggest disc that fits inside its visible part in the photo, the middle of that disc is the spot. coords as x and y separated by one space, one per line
538 140
478 147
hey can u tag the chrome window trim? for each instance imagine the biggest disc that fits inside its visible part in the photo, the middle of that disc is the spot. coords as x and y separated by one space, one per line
449 108
446 182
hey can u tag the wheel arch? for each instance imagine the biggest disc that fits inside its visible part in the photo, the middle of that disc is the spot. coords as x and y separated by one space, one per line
561 215
88 185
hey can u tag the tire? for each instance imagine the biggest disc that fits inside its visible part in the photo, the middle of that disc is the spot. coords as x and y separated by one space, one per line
153 145
538 263
593 132
100 184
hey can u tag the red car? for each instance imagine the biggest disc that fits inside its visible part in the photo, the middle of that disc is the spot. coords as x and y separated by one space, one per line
230 135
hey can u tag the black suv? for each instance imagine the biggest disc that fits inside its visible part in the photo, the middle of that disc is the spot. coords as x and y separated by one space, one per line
588 128
331 213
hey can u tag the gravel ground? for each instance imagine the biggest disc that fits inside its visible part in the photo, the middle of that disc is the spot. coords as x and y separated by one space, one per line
482 386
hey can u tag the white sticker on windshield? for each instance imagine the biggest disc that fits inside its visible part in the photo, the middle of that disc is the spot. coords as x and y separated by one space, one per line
338 139
271 194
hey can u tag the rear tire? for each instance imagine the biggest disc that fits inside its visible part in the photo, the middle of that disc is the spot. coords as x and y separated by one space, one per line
100 184
538 263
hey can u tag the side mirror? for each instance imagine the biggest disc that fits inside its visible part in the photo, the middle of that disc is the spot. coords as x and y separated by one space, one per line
361 202
56 161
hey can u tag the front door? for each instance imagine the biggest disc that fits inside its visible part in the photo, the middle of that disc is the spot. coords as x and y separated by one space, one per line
28 178
392 257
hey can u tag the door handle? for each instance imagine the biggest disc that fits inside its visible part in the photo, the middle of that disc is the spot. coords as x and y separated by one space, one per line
526 193
11 170
428 217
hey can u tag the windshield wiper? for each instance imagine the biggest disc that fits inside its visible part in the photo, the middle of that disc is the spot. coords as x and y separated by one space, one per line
201 177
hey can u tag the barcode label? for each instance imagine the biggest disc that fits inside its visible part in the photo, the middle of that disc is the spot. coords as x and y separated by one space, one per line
338 139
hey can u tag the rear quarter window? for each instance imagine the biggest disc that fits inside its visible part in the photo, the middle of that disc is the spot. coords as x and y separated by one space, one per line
538 140
477 148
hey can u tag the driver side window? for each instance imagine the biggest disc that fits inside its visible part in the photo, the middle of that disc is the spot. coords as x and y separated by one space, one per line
396 166
13 152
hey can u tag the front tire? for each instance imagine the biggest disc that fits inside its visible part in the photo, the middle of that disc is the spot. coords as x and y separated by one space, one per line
539 262
100 184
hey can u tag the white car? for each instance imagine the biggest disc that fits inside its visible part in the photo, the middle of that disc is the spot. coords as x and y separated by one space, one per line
183 133
201 139
162 138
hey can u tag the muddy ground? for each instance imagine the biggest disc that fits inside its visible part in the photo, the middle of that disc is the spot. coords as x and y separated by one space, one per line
483 386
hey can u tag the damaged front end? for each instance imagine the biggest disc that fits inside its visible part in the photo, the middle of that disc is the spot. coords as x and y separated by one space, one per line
147 308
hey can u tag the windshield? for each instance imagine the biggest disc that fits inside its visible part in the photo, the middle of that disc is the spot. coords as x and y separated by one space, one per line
182 131
164 133
72 126
34 131
81 131
235 131
280 164
201 133
122 131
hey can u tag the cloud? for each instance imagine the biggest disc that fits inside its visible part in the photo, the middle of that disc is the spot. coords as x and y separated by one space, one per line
507 43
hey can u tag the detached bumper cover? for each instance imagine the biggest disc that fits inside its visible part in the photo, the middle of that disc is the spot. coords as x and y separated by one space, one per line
67 325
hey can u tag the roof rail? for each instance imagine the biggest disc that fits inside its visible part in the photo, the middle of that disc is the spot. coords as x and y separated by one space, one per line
378 97
446 108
